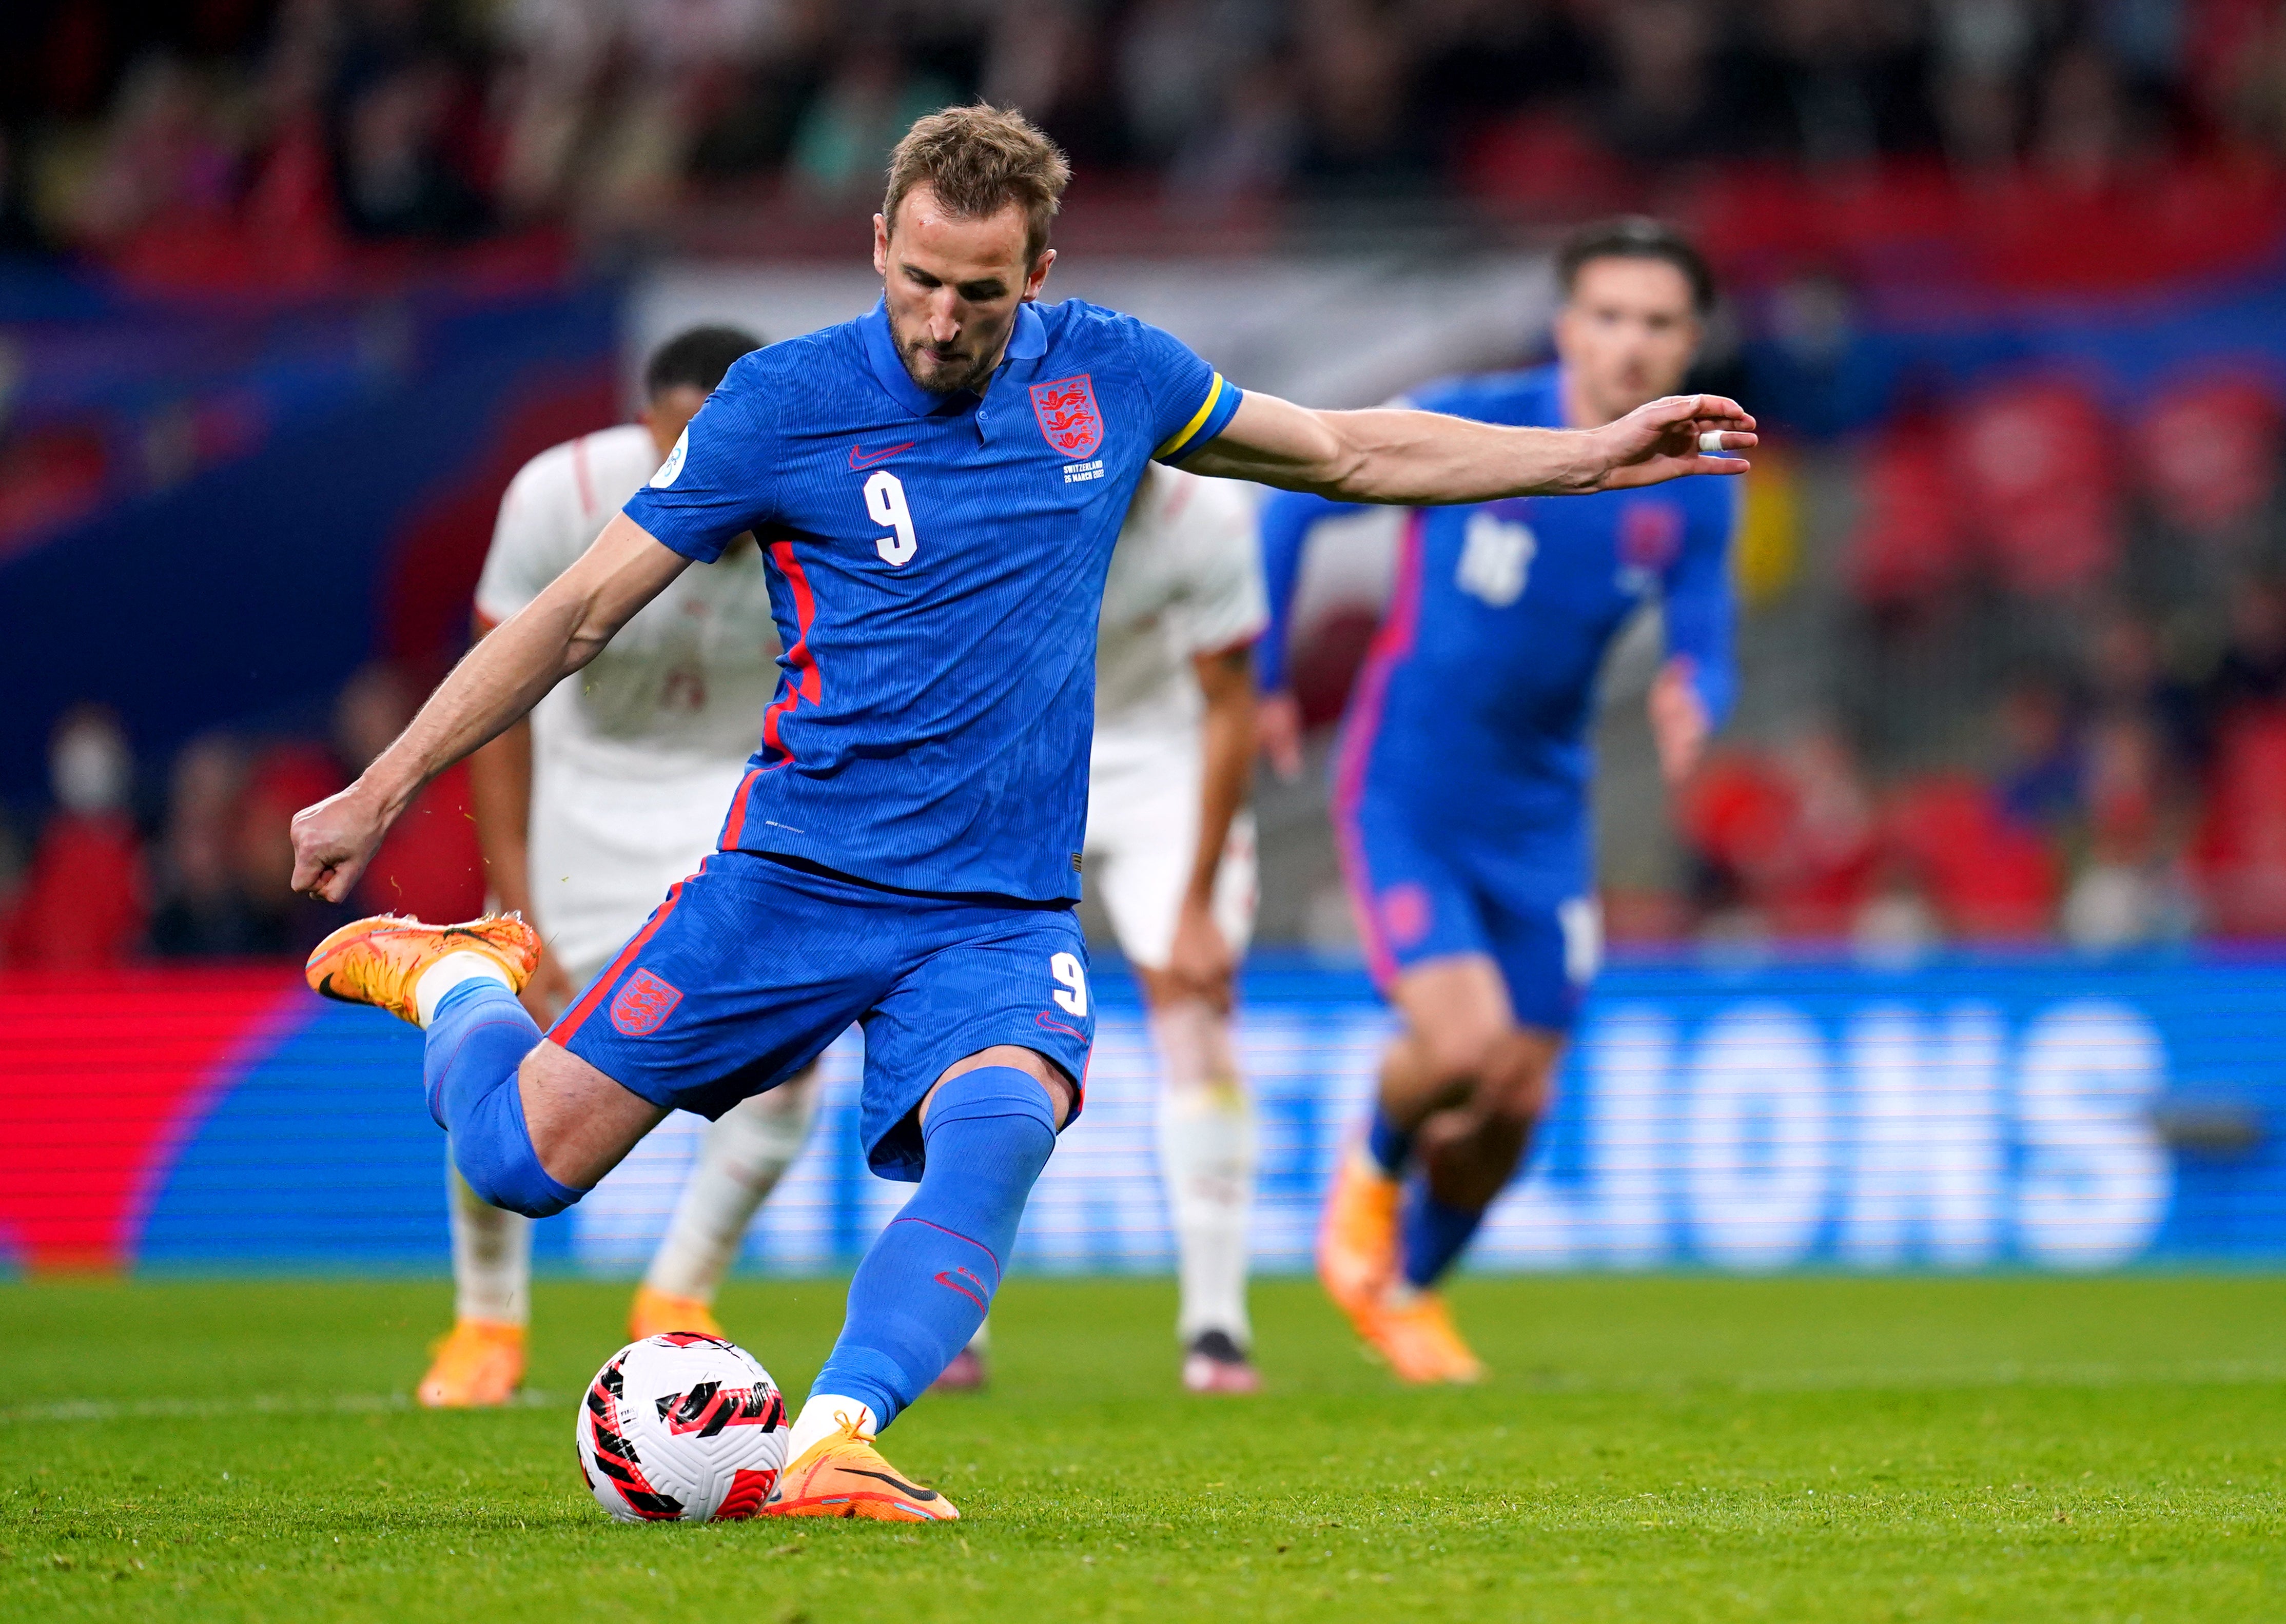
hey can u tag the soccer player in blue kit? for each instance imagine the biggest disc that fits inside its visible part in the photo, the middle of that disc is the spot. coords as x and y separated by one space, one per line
936 486
1461 785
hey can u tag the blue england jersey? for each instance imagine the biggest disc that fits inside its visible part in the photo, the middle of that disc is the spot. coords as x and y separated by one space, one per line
1469 719
936 573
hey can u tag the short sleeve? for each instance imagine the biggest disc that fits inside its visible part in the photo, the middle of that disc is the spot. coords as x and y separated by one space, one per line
1224 604
1191 403
718 481
525 553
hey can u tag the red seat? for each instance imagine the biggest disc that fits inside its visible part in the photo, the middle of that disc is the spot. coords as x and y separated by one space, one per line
1910 547
1767 828
2207 452
1735 809
2034 463
430 865
1990 879
2240 852
83 904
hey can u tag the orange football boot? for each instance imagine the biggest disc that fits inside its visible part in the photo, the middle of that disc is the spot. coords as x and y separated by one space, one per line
1357 1241
1413 1331
480 1363
657 1312
379 961
843 1475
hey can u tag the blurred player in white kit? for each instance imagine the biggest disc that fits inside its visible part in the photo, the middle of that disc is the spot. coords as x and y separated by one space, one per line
1170 853
1169 849
609 793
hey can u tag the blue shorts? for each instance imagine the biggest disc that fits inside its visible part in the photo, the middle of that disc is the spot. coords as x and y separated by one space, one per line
1420 895
750 967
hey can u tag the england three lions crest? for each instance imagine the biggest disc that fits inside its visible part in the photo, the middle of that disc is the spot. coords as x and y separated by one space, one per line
644 1003
1069 418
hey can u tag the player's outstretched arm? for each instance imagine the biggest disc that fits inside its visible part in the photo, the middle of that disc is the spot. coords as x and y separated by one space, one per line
501 678
1424 459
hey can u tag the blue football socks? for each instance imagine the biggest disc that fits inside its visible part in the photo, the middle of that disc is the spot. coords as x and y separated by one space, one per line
475 1040
925 1283
1433 1236
1389 1145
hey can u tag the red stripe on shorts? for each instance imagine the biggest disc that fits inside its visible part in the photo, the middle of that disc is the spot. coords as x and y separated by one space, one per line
567 1025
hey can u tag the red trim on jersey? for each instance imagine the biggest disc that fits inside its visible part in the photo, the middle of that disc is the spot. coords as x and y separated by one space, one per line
801 663
567 1027
580 475
735 825
1390 646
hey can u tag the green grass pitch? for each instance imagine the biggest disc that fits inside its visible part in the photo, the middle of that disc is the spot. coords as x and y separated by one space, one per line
1650 1448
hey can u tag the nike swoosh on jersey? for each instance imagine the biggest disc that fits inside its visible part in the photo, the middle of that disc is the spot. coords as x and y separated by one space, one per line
859 457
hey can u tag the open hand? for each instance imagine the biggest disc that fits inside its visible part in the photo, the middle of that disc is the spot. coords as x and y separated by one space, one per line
334 839
1278 730
1200 964
1678 721
1659 440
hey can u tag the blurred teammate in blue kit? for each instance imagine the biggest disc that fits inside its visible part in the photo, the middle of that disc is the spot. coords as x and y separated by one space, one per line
937 487
1460 785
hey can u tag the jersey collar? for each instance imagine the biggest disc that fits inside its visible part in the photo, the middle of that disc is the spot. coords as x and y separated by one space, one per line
1027 342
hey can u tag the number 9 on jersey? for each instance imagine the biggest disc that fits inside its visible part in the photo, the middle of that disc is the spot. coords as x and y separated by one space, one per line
885 501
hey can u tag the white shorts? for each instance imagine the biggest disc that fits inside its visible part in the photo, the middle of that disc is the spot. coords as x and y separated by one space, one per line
1142 836
603 852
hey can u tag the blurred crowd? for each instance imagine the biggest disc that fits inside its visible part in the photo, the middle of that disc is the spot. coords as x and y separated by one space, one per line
2059 688
129 128
2048 655
198 866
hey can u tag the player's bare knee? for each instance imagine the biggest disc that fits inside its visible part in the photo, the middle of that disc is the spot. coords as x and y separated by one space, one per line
1461 1055
580 1122
1519 1077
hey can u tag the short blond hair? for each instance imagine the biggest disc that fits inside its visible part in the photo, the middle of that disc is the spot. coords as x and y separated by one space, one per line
978 159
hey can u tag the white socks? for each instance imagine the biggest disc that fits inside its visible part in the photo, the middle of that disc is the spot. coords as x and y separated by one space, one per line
491 1247
1206 1154
448 973
824 1415
747 1151
492 1254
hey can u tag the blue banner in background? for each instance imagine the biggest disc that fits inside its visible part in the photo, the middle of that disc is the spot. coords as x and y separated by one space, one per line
2042 1112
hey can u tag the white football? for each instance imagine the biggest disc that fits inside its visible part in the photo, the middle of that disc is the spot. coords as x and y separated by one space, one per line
681 1427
